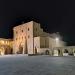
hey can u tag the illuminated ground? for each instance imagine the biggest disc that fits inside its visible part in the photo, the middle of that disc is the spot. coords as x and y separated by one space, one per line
36 65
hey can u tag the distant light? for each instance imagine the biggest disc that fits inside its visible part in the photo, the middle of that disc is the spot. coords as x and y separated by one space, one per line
56 38
2 42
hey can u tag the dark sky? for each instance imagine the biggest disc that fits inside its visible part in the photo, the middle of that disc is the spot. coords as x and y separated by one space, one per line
54 15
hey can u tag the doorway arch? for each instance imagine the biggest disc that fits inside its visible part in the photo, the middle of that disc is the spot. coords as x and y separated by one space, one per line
47 52
20 49
65 51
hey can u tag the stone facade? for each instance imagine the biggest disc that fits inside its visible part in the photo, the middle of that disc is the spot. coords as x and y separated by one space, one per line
64 51
29 38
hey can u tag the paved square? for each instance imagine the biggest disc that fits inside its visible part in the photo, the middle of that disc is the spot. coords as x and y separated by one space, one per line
36 65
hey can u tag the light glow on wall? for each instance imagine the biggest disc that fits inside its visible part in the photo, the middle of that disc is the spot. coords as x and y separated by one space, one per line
57 39
2 41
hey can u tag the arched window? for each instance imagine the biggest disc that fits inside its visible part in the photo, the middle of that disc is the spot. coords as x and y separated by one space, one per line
22 30
28 29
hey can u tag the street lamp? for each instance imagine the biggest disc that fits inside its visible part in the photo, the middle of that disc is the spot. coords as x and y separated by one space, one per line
57 39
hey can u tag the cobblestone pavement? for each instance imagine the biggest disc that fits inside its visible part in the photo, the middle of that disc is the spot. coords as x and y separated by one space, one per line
36 65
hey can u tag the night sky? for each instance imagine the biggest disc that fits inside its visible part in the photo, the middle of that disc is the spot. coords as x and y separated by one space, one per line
54 16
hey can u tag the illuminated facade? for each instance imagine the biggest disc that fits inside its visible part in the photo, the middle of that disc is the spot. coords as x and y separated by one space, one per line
6 46
29 38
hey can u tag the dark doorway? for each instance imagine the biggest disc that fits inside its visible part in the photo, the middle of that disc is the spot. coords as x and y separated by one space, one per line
47 52
35 50
26 51
65 51
6 51
58 51
74 51
71 52
20 50
11 51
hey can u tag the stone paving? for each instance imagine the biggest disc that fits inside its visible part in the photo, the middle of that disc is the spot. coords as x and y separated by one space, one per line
36 65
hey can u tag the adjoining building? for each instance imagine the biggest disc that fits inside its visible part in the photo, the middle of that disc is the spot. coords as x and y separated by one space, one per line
29 38
6 46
